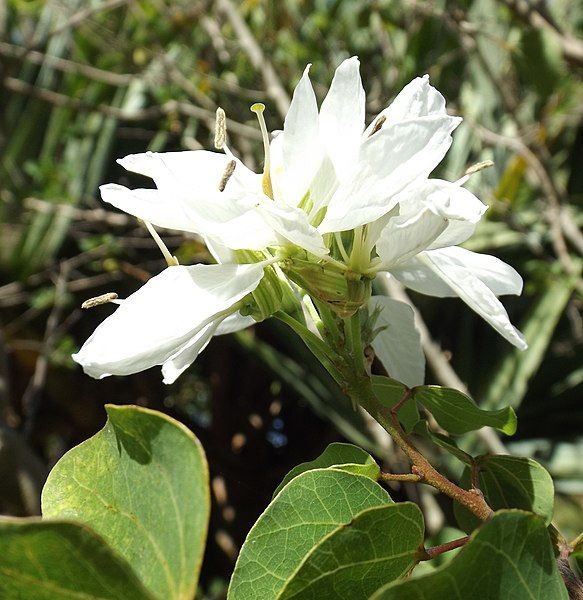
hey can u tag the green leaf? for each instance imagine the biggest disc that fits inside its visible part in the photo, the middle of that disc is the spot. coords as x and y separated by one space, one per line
379 545
510 482
446 443
58 560
344 457
142 484
457 413
308 508
508 558
389 392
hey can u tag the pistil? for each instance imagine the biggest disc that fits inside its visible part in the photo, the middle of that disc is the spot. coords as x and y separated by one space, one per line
258 109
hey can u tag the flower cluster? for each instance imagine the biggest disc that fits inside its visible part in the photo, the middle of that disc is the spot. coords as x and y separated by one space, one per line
336 204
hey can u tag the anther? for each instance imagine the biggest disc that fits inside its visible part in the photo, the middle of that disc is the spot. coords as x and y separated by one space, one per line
103 299
220 129
485 164
378 124
258 109
227 175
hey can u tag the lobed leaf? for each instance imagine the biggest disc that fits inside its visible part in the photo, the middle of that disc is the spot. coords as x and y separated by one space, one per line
59 560
379 545
510 482
142 484
508 558
306 510
457 413
344 457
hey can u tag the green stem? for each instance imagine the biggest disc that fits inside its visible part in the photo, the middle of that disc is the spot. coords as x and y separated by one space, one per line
320 349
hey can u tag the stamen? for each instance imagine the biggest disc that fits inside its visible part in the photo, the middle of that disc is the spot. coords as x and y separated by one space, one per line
171 261
220 129
340 244
103 299
485 164
258 109
227 175
378 124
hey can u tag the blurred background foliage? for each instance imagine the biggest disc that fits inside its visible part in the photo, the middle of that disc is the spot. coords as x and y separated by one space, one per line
86 82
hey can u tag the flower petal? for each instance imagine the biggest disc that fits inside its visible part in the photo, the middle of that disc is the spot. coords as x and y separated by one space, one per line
417 99
477 295
398 347
342 117
389 161
164 315
406 236
292 225
301 150
150 206
500 278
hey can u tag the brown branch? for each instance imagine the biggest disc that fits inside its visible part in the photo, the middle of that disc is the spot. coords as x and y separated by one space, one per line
430 553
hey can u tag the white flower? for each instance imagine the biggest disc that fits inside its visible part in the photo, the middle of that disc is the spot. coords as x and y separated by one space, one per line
335 200
169 320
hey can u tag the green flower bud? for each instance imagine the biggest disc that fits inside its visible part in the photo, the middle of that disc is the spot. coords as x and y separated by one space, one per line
344 292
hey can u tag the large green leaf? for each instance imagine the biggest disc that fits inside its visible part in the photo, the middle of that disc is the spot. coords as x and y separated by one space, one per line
308 508
379 545
389 392
457 413
141 483
59 560
344 457
508 558
510 482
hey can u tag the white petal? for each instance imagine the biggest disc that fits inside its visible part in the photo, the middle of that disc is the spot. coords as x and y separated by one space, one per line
478 296
342 116
389 161
398 346
164 315
416 99
186 355
191 175
150 206
302 152
500 277
404 236
293 226
234 322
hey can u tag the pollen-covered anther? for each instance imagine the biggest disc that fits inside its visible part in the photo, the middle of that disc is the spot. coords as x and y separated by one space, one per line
378 124
98 300
229 170
220 129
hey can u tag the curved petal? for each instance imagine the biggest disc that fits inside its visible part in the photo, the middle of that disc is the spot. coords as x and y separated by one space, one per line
191 175
301 148
342 117
405 236
499 277
186 355
398 345
164 315
478 296
292 225
389 161
417 99
150 206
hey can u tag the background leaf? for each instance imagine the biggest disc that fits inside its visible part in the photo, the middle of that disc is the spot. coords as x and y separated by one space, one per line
379 545
389 392
141 483
57 560
344 457
510 482
306 510
457 413
509 558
